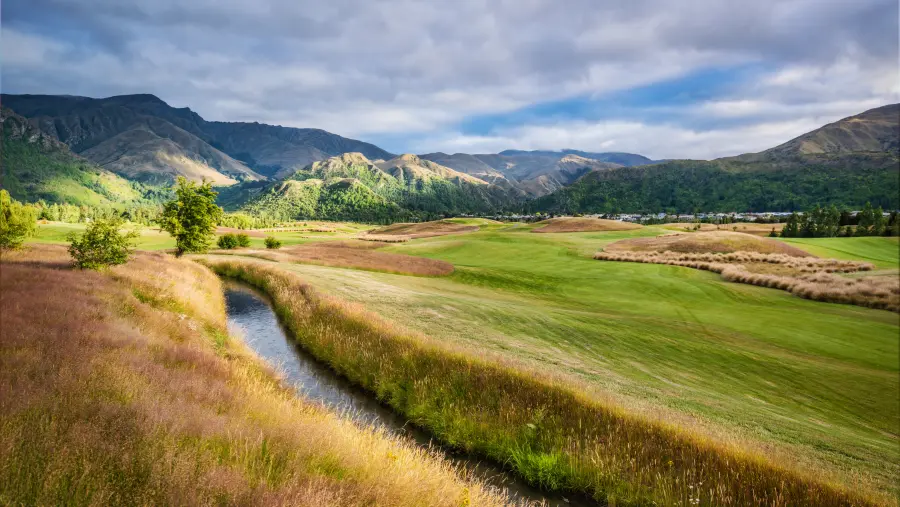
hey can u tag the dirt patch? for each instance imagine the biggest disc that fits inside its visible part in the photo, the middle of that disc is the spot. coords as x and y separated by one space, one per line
576 224
707 242
746 228
351 254
423 229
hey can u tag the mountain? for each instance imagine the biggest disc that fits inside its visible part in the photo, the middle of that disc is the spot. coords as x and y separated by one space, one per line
534 173
37 166
350 186
142 137
846 163
625 159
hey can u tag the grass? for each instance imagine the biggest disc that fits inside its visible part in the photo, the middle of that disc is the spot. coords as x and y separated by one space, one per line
883 252
810 385
351 254
127 390
572 224
706 242
426 229
551 434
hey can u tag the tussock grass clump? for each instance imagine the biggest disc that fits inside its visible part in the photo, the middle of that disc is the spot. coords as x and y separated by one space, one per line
707 242
356 255
123 387
548 432
579 224
806 277
424 229
744 227
383 238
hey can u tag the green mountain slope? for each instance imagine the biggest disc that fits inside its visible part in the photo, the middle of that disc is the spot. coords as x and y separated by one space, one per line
352 187
36 166
846 163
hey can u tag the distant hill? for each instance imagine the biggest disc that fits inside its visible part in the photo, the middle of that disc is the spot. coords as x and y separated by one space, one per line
36 166
846 163
535 173
350 186
143 138
625 159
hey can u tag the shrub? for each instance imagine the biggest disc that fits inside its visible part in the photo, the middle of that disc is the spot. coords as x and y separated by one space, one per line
17 221
102 245
272 243
243 240
228 241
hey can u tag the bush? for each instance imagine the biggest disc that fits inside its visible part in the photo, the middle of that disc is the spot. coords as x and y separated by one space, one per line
17 221
227 241
243 240
102 245
272 243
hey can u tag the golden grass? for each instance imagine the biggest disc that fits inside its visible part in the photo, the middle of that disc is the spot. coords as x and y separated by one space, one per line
580 224
806 277
423 229
745 227
351 254
552 434
706 242
124 388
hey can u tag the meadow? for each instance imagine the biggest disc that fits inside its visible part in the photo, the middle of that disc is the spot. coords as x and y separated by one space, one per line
804 386
129 391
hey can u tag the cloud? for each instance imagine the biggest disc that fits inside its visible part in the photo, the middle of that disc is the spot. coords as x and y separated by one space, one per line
416 70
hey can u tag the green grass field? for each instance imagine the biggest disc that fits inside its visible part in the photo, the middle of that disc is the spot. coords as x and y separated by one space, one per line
815 384
820 380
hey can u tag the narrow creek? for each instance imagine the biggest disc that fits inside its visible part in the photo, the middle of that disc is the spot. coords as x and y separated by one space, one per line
251 316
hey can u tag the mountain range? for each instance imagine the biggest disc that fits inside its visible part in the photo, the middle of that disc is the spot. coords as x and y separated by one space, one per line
127 148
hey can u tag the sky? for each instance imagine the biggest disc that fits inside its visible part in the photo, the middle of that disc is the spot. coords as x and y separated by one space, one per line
663 78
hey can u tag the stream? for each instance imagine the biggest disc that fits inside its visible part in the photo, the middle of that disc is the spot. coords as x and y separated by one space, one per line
251 316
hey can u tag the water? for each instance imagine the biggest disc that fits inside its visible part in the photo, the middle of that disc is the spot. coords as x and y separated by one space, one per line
250 315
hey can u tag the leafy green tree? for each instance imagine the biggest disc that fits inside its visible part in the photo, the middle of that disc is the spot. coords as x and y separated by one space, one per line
17 221
102 244
272 243
878 224
866 221
792 227
191 217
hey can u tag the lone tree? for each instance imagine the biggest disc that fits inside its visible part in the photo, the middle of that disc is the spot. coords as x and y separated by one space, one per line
102 244
17 221
191 217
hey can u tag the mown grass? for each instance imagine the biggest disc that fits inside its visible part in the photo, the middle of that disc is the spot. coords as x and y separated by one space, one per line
123 388
883 252
811 385
551 434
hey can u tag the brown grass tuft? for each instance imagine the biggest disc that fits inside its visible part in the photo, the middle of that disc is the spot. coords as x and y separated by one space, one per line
706 242
423 229
806 277
123 388
352 254
579 224
744 227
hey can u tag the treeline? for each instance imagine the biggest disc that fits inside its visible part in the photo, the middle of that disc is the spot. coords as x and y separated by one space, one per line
689 186
829 222
145 214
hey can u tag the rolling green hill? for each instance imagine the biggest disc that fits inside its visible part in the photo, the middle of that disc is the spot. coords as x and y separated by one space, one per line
846 163
351 187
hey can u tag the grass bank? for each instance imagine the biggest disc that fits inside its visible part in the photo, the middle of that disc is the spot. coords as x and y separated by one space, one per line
124 388
548 433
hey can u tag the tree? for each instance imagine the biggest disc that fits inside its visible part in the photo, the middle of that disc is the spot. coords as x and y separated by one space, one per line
878 224
102 244
191 217
17 221
272 243
792 227
866 221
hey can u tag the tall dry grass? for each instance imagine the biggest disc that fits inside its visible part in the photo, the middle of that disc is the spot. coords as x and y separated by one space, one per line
124 388
423 229
706 242
806 277
580 224
549 433
356 255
